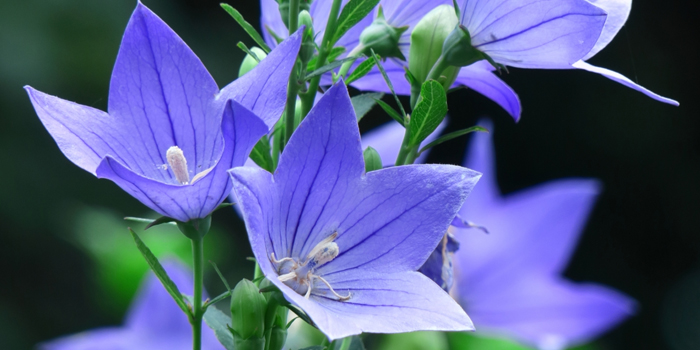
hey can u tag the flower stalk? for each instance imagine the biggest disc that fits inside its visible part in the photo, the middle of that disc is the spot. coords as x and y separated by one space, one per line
197 310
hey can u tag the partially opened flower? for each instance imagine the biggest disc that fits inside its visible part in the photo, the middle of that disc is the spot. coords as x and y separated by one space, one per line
344 245
509 280
170 134
154 321
550 34
398 14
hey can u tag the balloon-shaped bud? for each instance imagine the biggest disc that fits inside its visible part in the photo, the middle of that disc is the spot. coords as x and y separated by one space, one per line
278 337
427 40
308 47
248 307
284 9
382 37
249 62
458 50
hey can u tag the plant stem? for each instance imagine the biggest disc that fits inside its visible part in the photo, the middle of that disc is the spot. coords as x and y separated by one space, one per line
197 312
307 99
405 147
346 66
293 87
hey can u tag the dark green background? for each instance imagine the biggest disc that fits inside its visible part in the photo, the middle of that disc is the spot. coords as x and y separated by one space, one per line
642 237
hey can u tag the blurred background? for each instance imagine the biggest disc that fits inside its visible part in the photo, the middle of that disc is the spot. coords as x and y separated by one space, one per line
67 262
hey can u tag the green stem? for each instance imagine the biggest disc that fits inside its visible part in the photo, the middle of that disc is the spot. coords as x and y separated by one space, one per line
307 99
258 273
437 69
346 66
292 90
293 16
405 148
197 311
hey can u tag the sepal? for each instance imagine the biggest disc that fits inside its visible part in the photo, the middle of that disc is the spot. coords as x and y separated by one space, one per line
383 38
195 228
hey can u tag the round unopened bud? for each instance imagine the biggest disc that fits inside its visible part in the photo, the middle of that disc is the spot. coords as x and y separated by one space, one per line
249 62
458 50
284 9
382 38
278 337
427 40
308 47
247 311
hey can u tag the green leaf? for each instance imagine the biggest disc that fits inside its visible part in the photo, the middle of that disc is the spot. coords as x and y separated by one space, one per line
390 111
261 154
355 344
245 49
364 103
388 82
151 222
329 67
353 12
160 273
429 112
332 56
218 321
361 70
246 26
451 136
315 347
372 159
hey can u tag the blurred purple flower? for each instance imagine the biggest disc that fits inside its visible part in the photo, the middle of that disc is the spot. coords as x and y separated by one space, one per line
478 77
170 134
344 245
509 280
154 321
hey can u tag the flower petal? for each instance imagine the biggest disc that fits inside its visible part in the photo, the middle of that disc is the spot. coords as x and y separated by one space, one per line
533 33
263 90
481 156
84 134
546 312
241 130
618 11
617 77
161 96
271 19
480 78
382 303
387 139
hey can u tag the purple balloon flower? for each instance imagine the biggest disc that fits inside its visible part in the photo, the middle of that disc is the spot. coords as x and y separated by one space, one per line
344 245
170 134
154 321
509 281
398 13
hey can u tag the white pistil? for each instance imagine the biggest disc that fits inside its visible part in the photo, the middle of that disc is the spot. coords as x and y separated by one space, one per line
178 163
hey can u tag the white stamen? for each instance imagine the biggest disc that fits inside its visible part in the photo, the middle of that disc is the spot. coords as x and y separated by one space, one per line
287 276
321 245
201 175
342 298
178 164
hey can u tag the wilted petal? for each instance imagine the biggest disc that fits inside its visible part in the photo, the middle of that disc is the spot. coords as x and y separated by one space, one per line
618 11
533 33
387 139
546 312
480 78
160 96
241 129
263 90
617 77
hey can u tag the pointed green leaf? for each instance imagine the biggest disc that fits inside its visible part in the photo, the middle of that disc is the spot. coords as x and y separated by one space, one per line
451 136
390 111
160 273
372 159
248 51
388 82
159 221
261 154
332 56
329 67
218 321
429 112
355 344
246 26
361 70
364 103
353 12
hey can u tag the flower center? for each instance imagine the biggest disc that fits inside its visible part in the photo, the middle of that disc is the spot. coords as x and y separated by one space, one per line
178 164
300 275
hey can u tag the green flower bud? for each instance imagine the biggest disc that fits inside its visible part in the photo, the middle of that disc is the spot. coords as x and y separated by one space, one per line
249 344
278 337
195 228
383 38
427 41
249 62
308 47
284 9
458 50
247 311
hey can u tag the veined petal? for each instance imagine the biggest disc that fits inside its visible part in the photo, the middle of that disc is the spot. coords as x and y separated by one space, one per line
533 33
480 78
160 96
263 90
241 130
408 12
481 156
617 77
546 312
618 11
271 19
386 139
